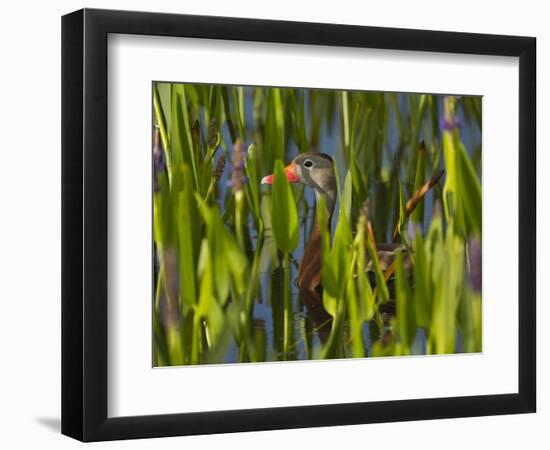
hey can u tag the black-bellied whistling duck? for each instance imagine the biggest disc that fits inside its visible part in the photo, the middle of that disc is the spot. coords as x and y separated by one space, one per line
316 170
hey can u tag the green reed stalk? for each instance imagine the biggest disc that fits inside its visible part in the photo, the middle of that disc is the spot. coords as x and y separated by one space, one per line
253 286
287 305
239 204
355 316
345 114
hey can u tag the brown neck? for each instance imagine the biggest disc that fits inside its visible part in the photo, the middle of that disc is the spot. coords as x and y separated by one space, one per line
309 271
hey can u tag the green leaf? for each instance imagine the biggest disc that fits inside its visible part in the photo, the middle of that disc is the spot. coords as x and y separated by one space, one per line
182 139
405 312
162 122
208 307
402 202
336 261
284 216
359 181
229 262
364 289
381 287
227 111
422 285
346 197
188 227
274 137
253 185
470 190
297 113
238 102
448 280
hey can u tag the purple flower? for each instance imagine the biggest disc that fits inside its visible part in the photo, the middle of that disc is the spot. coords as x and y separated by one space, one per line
449 124
238 177
220 166
474 259
230 183
159 161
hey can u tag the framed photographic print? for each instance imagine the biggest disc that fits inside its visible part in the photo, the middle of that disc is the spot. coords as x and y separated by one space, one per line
274 224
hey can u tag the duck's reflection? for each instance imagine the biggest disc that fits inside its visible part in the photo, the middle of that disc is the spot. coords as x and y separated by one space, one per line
322 320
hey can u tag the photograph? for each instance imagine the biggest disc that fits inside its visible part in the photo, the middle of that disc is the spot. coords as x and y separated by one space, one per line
295 224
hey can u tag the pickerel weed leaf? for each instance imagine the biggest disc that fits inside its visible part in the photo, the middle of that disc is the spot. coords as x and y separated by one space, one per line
406 324
422 282
284 217
229 262
418 214
188 227
470 190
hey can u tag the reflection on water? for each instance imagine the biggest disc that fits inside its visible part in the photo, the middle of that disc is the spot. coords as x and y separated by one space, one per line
311 324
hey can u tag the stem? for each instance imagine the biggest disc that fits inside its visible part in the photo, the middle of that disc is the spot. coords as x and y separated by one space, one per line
160 282
286 319
175 349
354 317
163 134
195 341
329 349
345 111
251 291
160 118
210 190
239 196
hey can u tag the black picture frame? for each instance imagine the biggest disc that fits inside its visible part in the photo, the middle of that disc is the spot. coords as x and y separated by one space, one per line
84 224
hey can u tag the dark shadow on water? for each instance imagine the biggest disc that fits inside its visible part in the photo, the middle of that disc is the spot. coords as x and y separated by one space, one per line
53 423
321 318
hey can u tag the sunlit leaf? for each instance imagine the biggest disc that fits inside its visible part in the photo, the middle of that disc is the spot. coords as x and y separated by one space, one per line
284 216
188 230
422 283
405 313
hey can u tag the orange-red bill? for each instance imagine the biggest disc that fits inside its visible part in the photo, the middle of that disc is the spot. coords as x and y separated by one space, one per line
290 172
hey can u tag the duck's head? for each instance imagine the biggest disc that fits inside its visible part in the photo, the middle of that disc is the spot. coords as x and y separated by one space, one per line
314 169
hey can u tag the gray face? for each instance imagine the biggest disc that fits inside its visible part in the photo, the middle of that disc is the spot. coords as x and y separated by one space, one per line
316 170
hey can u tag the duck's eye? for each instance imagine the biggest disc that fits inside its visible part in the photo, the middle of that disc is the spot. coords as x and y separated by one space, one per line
308 163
